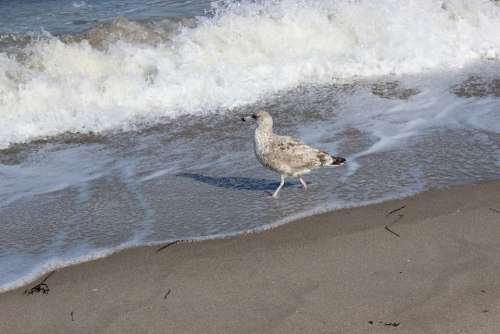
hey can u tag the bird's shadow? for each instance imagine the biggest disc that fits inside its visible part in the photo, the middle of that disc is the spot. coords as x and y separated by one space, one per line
238 183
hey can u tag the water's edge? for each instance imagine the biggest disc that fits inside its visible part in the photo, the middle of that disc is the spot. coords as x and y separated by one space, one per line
25 282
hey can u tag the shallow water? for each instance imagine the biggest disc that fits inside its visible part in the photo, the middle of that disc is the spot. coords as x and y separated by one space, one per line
130 133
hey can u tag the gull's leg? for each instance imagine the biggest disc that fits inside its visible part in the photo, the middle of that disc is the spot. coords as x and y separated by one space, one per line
275 194
304 184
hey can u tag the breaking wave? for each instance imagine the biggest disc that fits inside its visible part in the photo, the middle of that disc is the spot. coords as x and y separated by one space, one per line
122 74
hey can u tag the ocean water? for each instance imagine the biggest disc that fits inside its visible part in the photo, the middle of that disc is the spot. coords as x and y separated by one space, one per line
120 120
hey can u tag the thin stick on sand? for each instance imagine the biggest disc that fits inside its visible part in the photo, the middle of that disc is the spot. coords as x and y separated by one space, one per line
167 245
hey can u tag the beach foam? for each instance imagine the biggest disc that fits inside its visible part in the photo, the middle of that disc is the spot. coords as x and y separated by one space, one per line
244 52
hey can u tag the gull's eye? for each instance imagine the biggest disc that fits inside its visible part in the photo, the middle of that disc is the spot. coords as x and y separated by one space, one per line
254 116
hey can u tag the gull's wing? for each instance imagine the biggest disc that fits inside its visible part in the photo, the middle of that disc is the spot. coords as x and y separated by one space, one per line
296 154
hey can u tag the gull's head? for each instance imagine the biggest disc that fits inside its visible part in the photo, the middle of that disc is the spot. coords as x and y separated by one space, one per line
262 117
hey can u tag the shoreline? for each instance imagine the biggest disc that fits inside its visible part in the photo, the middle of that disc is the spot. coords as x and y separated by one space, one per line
374 258
103 253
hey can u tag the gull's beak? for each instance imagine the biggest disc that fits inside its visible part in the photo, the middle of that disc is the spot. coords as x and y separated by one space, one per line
248 118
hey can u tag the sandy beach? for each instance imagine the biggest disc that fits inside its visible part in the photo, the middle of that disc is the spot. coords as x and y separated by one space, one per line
425 264
121 131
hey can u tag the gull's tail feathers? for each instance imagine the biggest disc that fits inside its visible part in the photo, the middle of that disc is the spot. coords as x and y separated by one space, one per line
328 160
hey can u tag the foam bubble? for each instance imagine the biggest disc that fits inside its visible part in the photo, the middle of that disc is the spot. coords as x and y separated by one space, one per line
80 4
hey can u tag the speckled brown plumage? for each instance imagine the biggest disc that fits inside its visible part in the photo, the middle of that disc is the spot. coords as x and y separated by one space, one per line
286 155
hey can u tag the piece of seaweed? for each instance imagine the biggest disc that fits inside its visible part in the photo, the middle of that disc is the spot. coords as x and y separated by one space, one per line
167 294
387 227
393 324
40 287
395 210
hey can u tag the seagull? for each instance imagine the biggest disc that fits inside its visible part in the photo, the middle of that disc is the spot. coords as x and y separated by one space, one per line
284 155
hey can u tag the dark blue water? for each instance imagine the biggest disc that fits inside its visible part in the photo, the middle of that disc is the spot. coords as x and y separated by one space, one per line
67 16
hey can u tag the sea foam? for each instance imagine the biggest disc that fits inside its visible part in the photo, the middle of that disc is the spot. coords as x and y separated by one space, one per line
243 52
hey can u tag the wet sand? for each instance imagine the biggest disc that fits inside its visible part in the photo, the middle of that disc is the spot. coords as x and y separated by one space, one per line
425 264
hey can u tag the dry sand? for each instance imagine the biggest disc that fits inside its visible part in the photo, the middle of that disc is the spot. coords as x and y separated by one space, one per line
340 272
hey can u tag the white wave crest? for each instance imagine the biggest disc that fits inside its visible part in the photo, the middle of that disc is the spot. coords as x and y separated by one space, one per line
245 51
